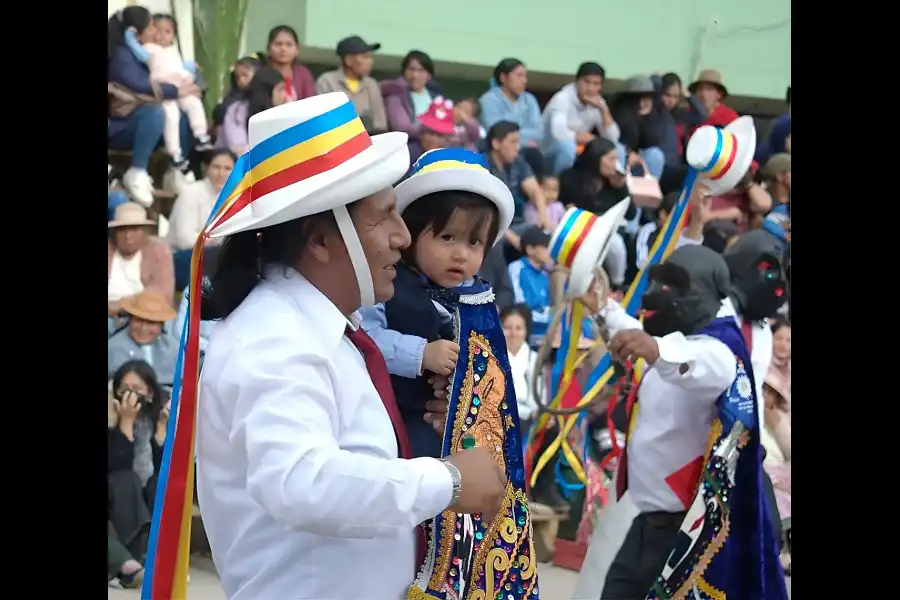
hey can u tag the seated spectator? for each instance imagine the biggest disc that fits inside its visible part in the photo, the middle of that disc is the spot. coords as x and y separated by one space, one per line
596 182
282 53
267 89
712 93
777 178
136 126
436 127
776 439
191 212
136 261
680 113
137 414
781 355
241 75
555 209
353 77
522 362
640 123
508 100
572 116
144 337
122 571
469 130
745 206
647 234
409 96
530 277
507 164
779 139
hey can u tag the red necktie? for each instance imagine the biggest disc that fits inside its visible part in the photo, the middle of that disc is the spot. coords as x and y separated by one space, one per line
747 330
381 379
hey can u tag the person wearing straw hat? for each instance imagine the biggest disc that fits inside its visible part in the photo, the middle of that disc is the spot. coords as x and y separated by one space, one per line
303 462
442 321
709 88
137 260
144 336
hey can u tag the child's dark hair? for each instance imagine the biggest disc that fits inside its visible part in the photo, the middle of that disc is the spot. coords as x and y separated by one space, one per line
518 309
169 18
433 211
546 177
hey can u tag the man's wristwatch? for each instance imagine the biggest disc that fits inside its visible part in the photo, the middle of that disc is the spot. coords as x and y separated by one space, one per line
456 476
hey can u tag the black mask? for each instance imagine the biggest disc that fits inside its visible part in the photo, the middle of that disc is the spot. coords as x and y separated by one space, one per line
759 287
685 292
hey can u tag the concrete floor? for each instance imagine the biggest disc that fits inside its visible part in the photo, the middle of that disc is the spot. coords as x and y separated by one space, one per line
556 584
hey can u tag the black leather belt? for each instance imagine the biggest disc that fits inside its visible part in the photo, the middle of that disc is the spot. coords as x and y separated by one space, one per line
661 519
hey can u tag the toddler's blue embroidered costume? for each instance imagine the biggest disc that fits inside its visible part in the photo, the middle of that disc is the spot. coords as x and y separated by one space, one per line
467 558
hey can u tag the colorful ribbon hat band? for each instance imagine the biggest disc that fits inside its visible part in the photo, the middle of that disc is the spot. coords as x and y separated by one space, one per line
572 234
448 158
723 156
296 154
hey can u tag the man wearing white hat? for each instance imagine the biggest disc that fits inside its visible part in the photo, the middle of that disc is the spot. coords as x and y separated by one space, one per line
304 481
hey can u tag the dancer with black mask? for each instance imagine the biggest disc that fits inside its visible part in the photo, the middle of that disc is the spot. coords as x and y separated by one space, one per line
692 461
758 290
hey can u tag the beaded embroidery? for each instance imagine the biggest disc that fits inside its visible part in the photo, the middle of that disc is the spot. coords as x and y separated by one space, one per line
502 563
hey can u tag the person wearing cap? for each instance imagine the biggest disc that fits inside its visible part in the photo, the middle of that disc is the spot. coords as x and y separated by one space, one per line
144 337
709 88
777 177
436 128
303 464
573 114
353 77
442 321
136 261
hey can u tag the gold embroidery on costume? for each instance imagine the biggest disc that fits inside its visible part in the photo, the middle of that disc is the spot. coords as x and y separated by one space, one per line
502 559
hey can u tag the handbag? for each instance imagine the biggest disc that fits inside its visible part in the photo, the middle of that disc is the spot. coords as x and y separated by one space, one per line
644 190
123 101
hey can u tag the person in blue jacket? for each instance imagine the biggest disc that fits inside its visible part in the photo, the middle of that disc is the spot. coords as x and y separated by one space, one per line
140 131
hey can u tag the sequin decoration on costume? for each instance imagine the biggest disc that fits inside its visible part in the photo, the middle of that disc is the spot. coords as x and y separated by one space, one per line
470 558
708 522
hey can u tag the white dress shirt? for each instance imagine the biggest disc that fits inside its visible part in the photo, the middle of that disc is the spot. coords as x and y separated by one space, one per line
302 494
675 409
760 355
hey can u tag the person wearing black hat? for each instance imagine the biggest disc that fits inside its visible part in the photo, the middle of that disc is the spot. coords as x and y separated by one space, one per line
353 77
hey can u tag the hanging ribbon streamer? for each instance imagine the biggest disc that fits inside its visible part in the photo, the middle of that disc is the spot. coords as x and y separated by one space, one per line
601 374
168 548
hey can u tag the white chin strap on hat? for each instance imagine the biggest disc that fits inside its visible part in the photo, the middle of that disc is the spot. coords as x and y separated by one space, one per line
357 256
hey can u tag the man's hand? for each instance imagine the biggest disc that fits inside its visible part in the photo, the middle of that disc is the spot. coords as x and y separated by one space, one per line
596 101
436 414
483 483
631 344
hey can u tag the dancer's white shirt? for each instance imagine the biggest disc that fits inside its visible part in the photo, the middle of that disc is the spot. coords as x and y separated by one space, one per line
675 410
300 490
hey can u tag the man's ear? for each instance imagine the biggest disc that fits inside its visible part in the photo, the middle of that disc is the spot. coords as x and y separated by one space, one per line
322 241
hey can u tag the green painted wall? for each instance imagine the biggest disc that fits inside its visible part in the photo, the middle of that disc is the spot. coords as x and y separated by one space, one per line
749 42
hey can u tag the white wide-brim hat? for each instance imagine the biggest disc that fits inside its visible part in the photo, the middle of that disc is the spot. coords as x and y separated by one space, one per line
456 169
722 157
581 241
307 157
